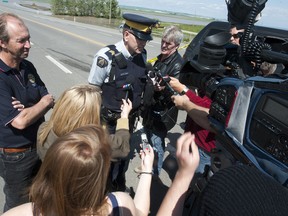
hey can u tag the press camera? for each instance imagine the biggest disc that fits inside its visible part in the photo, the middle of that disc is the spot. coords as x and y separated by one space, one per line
156 76
249 112
164 109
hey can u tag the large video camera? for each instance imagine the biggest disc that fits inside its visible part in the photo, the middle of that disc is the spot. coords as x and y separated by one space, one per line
249 112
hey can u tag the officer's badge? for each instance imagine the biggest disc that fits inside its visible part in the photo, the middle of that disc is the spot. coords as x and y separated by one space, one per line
101 62
31 78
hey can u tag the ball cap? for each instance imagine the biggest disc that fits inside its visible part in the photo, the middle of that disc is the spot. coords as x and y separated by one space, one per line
141 26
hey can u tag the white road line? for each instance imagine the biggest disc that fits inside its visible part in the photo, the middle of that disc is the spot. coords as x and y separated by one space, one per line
58 64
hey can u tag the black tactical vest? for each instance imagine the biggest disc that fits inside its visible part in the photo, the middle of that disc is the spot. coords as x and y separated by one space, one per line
126 80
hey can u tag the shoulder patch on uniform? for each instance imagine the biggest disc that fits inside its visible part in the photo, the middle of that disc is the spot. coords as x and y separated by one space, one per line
101 62
110 53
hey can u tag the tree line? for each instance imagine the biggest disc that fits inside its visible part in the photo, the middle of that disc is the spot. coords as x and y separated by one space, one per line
95 8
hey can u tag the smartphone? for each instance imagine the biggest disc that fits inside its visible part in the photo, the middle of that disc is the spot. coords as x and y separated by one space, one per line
144 140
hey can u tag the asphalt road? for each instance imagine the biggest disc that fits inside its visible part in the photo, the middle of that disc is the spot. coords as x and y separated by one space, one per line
63 51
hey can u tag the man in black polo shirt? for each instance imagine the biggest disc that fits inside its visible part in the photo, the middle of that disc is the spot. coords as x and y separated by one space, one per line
19 161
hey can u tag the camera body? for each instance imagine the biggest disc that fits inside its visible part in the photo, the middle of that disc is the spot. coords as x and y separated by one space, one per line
248 112
157 78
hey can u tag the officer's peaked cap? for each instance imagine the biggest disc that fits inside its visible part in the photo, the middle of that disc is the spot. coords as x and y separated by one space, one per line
140 26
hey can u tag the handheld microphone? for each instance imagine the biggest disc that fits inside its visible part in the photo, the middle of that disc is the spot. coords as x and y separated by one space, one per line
151 73
130 80
167 79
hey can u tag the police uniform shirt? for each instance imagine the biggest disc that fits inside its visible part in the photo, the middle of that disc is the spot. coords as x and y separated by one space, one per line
101 66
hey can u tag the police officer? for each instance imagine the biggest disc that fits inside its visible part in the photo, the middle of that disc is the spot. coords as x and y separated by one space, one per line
119 70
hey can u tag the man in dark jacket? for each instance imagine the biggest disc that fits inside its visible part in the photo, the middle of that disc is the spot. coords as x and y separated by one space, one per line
168 63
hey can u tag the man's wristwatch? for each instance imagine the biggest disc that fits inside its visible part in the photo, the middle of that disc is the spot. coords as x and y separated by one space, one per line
183 92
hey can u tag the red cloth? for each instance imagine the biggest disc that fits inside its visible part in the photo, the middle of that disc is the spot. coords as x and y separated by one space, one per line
203 138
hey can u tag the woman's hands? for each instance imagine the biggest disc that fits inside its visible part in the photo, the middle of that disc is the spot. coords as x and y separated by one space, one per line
126 107
188 159
187 154
147 158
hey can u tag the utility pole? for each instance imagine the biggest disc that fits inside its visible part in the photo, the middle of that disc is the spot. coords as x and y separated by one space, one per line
110 11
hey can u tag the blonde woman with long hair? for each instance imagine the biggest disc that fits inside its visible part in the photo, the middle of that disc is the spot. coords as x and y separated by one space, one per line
78 106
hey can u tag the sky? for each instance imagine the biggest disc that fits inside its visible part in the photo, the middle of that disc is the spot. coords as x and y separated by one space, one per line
275 13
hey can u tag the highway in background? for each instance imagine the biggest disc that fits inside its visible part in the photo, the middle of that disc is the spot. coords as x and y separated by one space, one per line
62 51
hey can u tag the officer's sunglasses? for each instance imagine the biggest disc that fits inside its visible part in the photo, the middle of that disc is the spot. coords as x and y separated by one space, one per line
137 37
